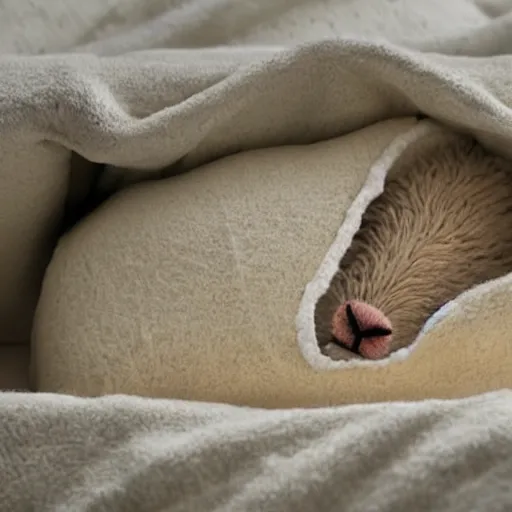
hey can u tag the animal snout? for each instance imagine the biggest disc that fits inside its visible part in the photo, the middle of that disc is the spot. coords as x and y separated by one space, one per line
363 329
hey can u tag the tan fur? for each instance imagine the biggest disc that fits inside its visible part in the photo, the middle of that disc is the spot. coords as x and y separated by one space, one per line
438 229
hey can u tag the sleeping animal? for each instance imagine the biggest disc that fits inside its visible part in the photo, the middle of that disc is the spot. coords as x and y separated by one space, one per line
437 230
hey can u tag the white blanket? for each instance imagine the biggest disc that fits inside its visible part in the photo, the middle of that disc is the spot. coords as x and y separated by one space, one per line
152 109
121 454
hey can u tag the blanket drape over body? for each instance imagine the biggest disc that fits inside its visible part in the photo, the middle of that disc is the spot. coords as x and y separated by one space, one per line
310 103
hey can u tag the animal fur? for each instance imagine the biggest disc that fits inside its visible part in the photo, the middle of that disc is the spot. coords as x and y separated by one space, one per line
438 229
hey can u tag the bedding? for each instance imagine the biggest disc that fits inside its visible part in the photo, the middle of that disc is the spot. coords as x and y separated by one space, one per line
144 101
219 303
202 286
120 453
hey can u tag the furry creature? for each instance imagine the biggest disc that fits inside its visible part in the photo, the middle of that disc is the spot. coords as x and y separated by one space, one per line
439 228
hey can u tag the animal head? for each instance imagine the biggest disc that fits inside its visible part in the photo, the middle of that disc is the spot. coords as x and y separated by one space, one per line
441 226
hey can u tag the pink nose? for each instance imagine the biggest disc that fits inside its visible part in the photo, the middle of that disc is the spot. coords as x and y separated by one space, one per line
363 329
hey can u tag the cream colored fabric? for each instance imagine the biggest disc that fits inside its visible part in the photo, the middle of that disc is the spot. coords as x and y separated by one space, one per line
122 454
114 26
153 109
202 277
